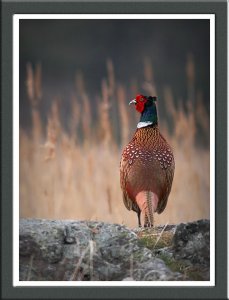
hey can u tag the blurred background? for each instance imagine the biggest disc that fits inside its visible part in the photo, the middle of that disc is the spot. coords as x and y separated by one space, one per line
76 80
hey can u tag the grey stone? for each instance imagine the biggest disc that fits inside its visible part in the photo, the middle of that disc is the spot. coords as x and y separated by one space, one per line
53 250
81 250
191 242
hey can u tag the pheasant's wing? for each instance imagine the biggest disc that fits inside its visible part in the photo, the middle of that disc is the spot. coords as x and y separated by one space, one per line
124 169
169 179
124 172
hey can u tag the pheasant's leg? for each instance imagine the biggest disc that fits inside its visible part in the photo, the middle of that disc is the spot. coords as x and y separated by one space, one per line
139 218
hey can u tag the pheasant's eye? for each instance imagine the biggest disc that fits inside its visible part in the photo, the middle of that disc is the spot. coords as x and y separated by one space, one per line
142 99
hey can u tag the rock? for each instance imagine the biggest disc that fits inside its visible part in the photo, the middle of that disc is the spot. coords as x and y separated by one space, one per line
191 242
81 250
184 247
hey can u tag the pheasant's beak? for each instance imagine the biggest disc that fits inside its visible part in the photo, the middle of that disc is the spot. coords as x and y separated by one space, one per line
133 101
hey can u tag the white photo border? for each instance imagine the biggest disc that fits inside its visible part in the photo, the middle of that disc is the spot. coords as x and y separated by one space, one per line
16 281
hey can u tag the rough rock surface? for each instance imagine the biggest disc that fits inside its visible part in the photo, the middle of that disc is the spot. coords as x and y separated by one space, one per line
192 242
83 250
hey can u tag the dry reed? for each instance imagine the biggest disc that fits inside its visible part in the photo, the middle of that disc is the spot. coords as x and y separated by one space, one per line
125 128
66 179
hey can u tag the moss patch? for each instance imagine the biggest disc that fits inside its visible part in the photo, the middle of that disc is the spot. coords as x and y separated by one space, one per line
194 273
154 239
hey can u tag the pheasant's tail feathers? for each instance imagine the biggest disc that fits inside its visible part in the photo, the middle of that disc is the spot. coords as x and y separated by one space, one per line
150 211
147 202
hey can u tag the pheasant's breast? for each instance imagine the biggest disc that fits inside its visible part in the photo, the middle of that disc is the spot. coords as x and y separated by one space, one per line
162 155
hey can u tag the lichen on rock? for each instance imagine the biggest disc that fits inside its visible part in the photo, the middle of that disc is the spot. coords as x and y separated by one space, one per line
52 250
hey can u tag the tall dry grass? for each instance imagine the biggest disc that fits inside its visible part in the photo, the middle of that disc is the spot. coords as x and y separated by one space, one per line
74 174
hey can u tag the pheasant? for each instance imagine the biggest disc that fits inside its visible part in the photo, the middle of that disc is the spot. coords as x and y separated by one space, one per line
147 165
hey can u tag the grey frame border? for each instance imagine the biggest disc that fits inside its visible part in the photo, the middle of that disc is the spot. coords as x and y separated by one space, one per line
219 8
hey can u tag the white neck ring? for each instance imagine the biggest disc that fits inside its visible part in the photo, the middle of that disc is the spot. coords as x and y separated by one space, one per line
144 124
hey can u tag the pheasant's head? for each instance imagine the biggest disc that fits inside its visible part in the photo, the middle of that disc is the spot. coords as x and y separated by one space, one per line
147 107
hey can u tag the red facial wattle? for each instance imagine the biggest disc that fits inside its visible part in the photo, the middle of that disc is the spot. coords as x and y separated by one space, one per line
140 103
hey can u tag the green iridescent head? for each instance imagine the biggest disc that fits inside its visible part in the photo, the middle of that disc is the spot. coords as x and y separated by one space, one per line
147 107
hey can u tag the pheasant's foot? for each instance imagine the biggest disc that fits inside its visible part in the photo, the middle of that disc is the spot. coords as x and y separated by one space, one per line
148 225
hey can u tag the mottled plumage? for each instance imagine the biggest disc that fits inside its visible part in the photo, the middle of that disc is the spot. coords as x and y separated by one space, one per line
147 167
